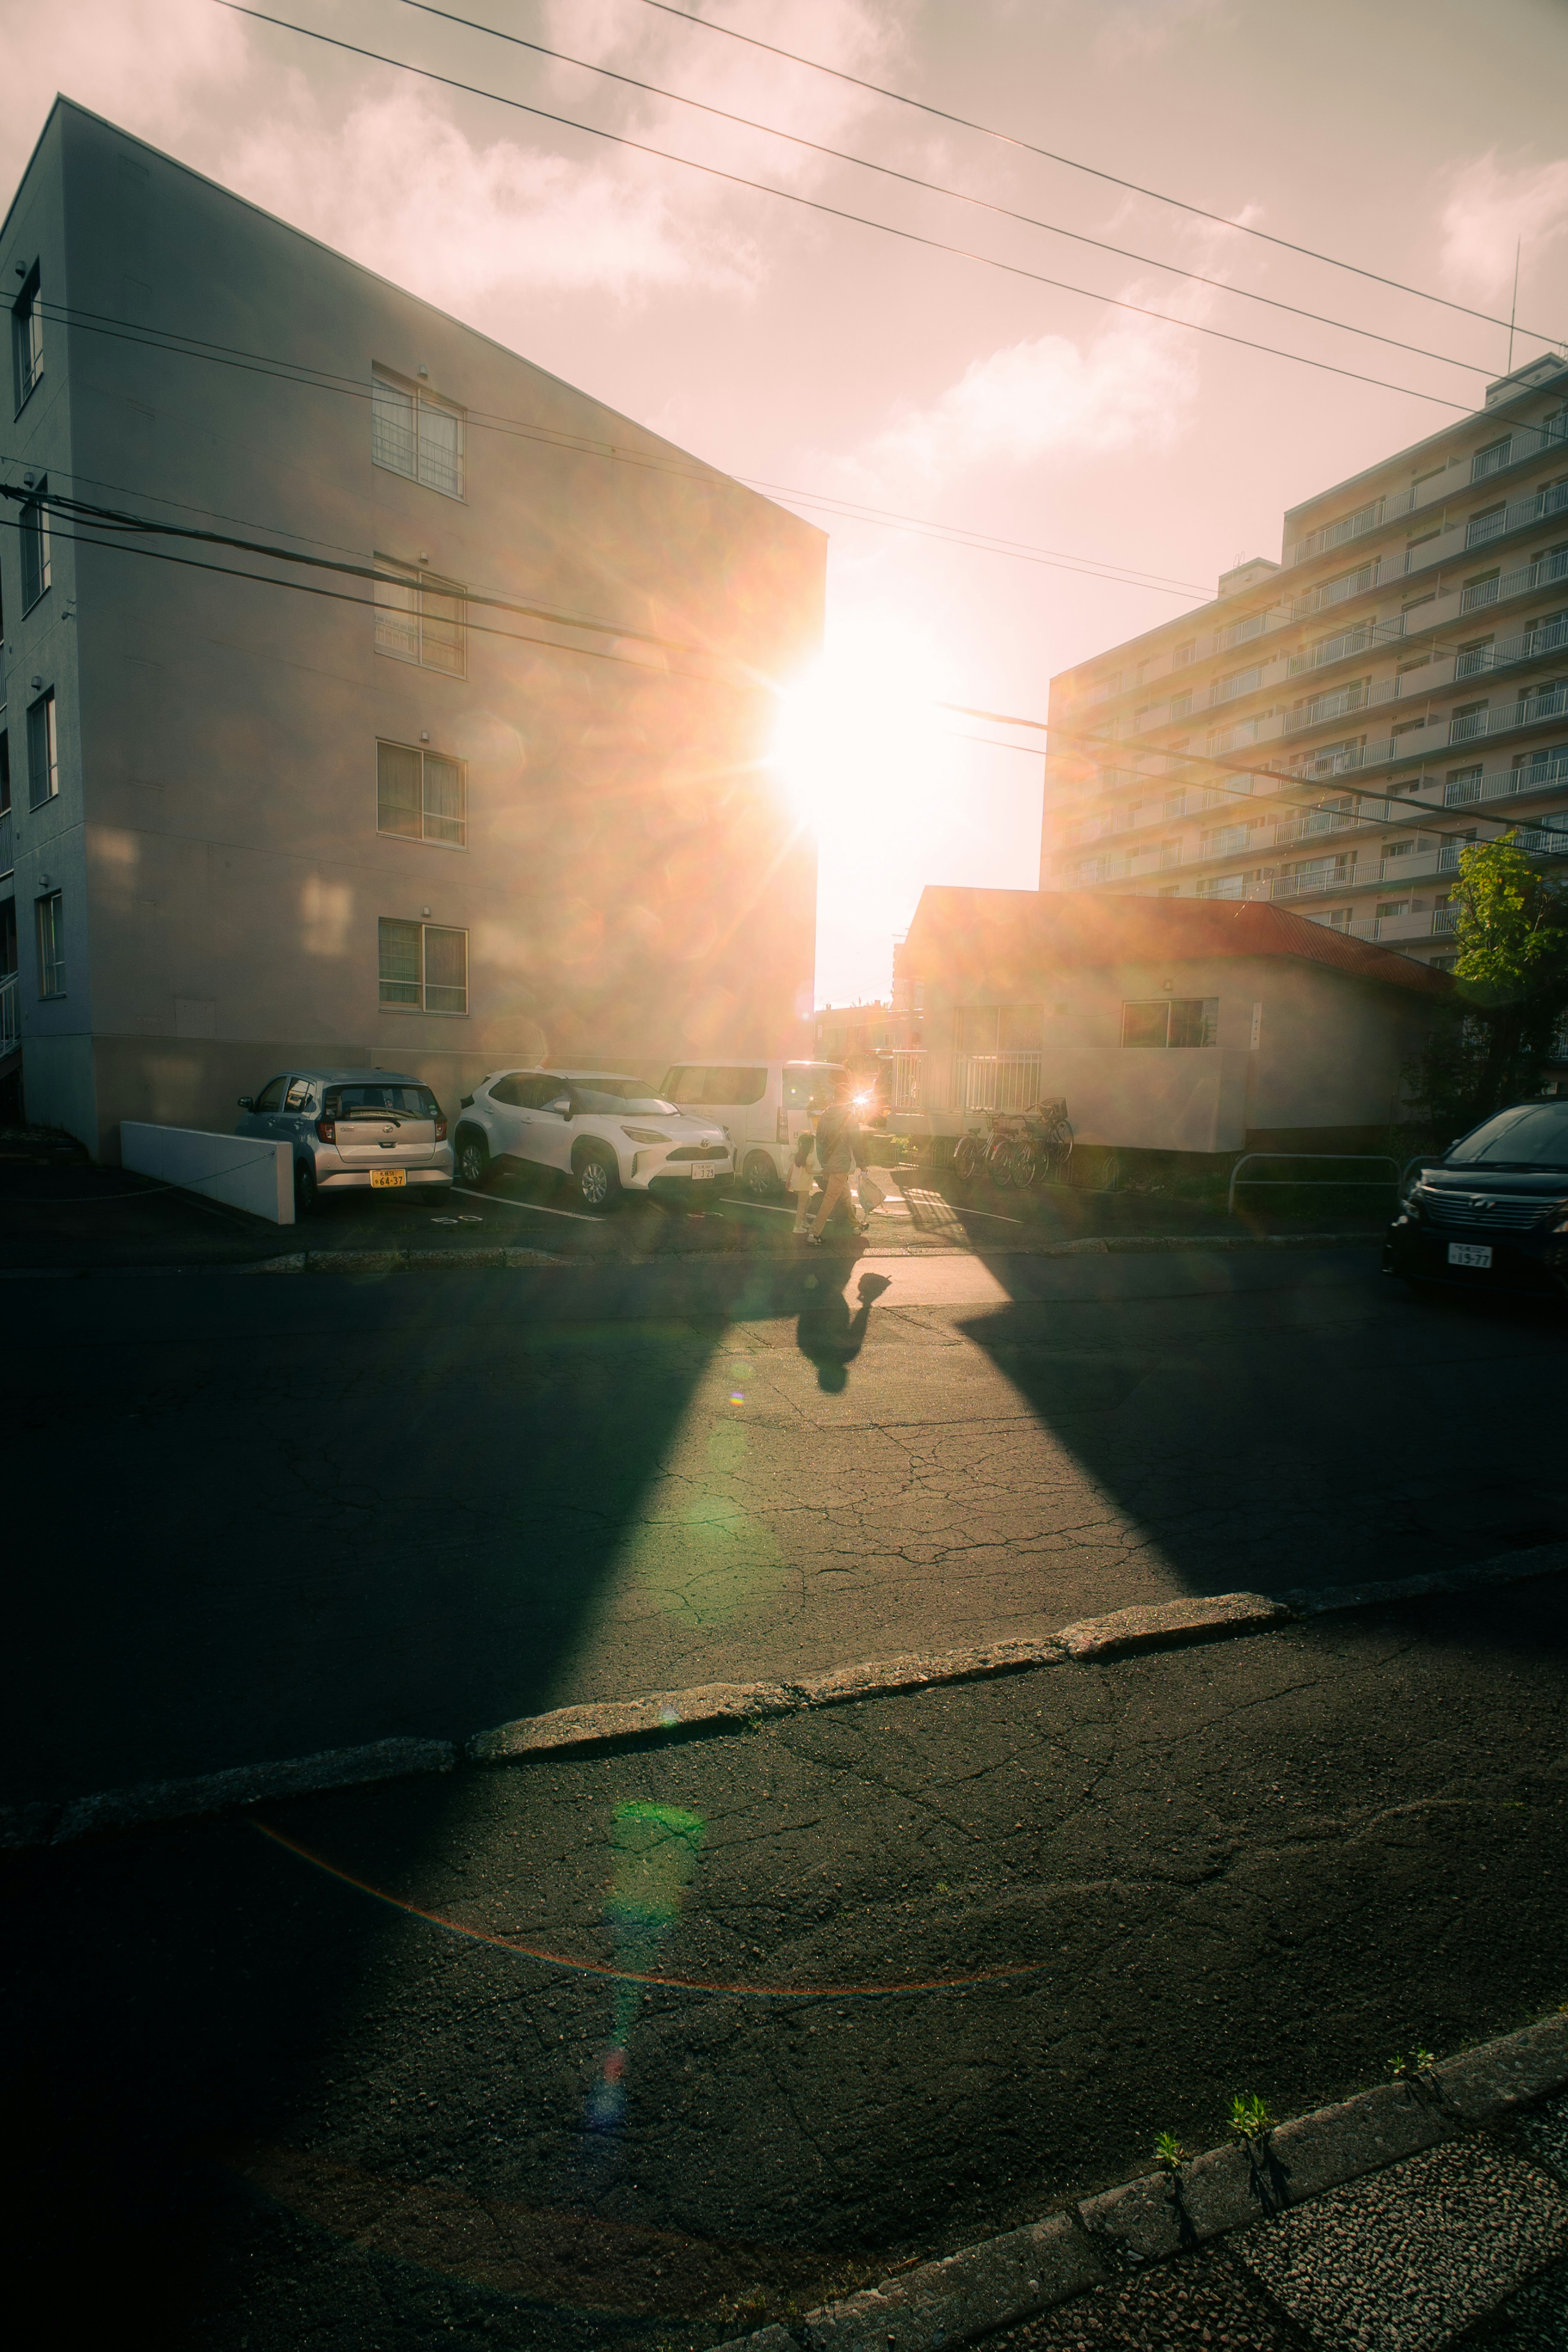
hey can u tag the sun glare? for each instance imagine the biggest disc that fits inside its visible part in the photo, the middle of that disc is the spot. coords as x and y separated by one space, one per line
857 736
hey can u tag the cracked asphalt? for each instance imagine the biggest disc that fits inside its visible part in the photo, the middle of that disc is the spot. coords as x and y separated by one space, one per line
319 1512
638 2048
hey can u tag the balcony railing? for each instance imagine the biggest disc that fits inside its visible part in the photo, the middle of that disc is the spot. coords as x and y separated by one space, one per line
997 1081
1517 515
10 1014
1542 773
1337 534
1547 637
1539 574
1437 922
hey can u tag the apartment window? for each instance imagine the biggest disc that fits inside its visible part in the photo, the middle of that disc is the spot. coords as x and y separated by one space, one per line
421 795
1167 1020
1183 654
1488 460
1387 906
5 767
43 752
415 433
51 946
28 338
1475 656
1241 681
420 618
1469 719
1181 705
34 525
1463 784
1339 918
424 966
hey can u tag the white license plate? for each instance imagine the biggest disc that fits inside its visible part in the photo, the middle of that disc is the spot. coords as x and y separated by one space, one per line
1469 1253
703 1175
396 1176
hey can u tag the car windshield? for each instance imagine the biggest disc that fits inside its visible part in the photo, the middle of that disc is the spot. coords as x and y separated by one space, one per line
411 1102
620 1094
1533 1136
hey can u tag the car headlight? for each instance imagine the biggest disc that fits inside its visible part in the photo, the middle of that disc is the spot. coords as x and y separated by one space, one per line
644 1135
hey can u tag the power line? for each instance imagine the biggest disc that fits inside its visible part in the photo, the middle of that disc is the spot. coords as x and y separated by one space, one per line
938 188
707 24
837 212
310 379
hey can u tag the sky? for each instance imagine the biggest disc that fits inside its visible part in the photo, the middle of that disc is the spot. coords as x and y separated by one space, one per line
1127 458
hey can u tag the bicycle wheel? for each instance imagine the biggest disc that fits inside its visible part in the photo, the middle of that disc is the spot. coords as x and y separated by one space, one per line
967 1160
1025 1165
999 1165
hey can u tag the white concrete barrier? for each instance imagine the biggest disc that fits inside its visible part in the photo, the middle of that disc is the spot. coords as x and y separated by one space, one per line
245 1172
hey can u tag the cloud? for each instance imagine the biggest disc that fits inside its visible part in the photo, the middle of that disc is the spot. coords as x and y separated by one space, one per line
1143 28
1131 384
150 65
1489 210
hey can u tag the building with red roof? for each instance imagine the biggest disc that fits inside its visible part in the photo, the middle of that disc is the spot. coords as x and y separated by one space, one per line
1167 1024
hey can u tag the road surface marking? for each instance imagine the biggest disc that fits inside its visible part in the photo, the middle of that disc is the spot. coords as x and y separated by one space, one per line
533 1208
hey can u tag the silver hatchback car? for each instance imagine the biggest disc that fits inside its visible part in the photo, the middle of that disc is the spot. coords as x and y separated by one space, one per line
350 1130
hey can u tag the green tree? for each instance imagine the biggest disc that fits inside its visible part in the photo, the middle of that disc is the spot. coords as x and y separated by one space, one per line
1511 931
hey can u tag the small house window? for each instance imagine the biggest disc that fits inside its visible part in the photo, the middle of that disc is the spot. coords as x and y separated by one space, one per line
415 433
422 966
1171 1021
27 340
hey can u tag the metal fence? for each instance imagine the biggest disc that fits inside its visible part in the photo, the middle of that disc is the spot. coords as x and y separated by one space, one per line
997 1081
1340 1158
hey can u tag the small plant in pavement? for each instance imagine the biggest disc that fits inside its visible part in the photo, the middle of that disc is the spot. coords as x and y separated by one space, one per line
1249 2117
1406 2063
1169 2153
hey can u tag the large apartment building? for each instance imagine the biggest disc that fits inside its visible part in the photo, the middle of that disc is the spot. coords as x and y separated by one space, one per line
445 747
1331 727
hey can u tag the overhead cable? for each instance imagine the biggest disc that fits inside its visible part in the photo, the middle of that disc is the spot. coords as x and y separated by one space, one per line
938 188
839 212
1221 220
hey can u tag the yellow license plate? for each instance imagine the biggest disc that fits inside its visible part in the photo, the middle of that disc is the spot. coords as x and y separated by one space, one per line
387 1176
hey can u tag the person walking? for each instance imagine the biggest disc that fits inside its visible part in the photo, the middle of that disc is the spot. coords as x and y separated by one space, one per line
838 1149
802 1174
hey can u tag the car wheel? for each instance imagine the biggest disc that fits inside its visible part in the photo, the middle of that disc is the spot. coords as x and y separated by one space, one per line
762 1176
307 1192
473 1159
598 1178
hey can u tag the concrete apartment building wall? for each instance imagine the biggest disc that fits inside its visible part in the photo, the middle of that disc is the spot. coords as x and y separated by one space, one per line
579 816
1327 731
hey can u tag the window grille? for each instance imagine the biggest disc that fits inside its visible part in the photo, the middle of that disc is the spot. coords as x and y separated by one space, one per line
27 340
421 795
43 752
420 618
34 525
51 945
415 433
424 966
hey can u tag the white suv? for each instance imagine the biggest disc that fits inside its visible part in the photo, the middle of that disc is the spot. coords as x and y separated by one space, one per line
610 1133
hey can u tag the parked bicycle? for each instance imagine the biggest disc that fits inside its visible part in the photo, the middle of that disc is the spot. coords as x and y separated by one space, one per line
1018 1148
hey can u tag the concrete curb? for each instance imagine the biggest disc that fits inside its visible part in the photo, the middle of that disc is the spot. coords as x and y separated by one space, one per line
512 1257
1006 2279
710 1707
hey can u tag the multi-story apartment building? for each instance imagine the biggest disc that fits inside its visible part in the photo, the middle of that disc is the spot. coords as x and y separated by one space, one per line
1329 731
368 694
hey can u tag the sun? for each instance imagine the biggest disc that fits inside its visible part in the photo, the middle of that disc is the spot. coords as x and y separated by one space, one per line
857 736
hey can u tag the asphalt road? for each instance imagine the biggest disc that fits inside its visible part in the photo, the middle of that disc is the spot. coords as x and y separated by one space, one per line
926 1965
272 1516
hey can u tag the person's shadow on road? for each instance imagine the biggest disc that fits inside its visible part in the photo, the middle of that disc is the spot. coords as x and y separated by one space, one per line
832 1337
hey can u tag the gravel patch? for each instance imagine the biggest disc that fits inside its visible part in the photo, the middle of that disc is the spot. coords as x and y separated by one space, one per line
1402 2261
1198 2300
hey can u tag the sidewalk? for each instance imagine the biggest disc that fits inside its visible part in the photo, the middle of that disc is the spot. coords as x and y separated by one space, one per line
60 1214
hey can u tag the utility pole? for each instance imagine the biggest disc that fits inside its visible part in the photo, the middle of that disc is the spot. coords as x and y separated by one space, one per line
1513 312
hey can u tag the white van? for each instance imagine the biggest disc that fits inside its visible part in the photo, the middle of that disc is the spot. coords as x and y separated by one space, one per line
761 1106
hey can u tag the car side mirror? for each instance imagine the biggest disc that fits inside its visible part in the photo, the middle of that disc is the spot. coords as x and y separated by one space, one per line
248 1102
562 1106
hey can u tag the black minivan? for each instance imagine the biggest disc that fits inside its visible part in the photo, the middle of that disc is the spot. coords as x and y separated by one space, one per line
1492 1213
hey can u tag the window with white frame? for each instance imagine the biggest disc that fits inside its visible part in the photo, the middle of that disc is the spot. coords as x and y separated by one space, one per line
26 339
33 523
413 432
421 795
422 966
43 752
420 618
1165 1021
51 945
